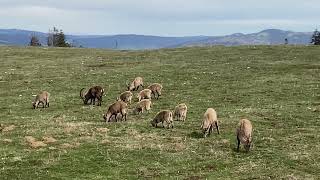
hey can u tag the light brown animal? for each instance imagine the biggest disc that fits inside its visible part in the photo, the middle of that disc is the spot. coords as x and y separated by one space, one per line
143 105
93 93
144 94
180 112
135 84
125 97
115 108
42 97
244 134
155 89
209 120
163 116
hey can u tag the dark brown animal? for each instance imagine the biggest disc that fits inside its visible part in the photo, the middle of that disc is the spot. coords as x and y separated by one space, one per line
92 94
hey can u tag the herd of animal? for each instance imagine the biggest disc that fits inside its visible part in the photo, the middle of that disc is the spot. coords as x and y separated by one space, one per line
120 107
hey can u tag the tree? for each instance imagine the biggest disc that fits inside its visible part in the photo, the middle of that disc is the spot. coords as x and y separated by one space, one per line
61 40
34 41
315 40
57 38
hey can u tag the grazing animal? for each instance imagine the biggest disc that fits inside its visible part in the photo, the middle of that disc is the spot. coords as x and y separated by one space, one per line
125 97
135 84
209 120
143 105
42 97
155 89
114 109
180 112
244 134
144 94
163 116
95 92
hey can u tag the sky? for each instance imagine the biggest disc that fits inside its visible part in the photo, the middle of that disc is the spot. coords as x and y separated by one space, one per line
160 17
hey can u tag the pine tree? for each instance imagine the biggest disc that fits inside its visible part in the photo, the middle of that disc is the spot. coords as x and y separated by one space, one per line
57 38
61 40
315 40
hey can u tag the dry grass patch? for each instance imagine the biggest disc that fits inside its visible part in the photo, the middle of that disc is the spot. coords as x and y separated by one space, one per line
69 146
8 128
48 139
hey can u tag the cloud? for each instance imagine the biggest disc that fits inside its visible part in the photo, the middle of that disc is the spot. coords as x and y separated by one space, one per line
159 17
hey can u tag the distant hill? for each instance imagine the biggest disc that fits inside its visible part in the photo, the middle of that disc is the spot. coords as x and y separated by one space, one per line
265 37
132 41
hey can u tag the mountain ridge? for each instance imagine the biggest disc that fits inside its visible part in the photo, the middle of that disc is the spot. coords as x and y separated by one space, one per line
135 41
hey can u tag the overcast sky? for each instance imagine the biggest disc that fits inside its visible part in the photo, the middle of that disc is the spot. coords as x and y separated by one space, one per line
160 17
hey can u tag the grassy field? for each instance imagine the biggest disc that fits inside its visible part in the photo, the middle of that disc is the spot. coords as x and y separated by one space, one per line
276 87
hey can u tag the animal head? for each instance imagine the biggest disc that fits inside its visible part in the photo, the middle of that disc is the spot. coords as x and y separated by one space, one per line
105 117
82 96
34 105
247 146
153 123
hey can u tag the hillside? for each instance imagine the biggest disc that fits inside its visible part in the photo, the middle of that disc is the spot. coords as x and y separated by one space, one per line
265 37
276 87
137 42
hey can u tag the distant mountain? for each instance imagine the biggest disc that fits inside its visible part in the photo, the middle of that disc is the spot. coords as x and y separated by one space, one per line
19 37
265 37
132 41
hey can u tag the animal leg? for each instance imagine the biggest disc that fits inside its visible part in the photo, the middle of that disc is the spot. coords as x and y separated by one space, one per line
238 143
217 127
99 101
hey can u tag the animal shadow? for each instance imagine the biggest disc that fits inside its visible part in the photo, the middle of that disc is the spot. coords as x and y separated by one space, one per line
196 135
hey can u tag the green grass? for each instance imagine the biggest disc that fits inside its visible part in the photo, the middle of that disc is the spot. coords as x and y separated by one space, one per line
276 87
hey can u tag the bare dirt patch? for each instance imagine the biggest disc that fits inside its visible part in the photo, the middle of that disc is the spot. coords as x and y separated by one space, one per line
34 143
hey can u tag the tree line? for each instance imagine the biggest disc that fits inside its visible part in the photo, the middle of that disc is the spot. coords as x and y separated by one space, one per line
56 38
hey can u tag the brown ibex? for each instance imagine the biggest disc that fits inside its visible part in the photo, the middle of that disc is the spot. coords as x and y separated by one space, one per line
92 94
42 97
114 109
135 84
155 89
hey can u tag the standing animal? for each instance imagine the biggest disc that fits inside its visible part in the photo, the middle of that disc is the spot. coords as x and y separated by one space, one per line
244 134
95 92
42 97
180 112
135 84
144 94
114 109
143 105
125 97
163 116
155 89
209 120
